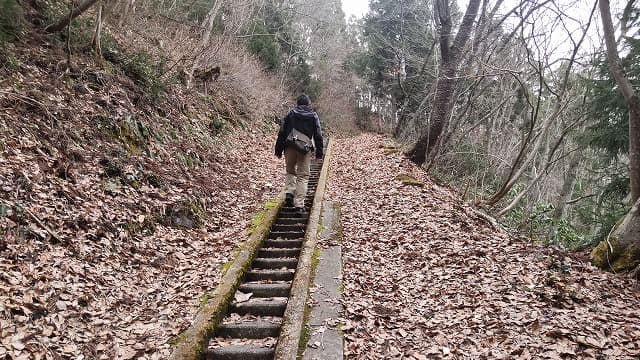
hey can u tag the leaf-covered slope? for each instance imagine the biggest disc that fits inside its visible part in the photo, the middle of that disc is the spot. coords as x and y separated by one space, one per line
116 213
424 277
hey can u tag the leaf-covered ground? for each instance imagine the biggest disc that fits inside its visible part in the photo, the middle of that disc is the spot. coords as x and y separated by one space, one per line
116 213
425 277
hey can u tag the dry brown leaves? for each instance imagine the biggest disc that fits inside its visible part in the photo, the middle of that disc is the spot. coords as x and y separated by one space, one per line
87 269
425 278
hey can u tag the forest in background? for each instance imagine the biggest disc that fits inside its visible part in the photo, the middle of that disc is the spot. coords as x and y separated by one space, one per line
520 114
511 103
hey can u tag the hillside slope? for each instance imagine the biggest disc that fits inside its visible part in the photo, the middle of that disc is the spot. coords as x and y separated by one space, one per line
118 207
425 277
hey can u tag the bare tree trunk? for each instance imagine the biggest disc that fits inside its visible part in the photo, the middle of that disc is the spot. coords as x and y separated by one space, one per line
565 195
630 96
621 251
95 42
72 15
207 25
451 55
208 22
69 35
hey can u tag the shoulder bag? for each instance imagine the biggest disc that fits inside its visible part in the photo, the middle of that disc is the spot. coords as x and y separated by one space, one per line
299 141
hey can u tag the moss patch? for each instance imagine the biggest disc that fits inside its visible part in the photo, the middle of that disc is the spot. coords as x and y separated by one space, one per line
188 214
178 339
145 227
259 218
609 256
133 133
409 180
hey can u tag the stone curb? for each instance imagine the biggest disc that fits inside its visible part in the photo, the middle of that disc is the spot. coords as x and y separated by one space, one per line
194 340
293 320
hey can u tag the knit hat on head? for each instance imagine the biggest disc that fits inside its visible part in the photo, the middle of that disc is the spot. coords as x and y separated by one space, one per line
303 100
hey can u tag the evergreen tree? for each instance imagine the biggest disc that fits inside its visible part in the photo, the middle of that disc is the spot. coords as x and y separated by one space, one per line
399 51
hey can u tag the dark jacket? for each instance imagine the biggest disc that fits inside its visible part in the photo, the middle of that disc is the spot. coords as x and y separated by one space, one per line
305 120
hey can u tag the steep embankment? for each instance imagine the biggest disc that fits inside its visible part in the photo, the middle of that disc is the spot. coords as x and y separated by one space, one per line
117 211
424 277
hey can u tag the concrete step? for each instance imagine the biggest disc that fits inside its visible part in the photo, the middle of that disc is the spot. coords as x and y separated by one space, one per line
280 289
240 352
288 211
274 263
289 221
285 213
259 307
290 214
282 243
288 227
278 253
249 330
272 275
286 234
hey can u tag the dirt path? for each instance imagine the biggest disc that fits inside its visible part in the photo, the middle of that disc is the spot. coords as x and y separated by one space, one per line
425 278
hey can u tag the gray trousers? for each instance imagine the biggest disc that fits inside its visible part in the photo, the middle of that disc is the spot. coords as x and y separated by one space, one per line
297 174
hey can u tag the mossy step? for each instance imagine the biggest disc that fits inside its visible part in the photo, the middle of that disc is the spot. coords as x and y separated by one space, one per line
240 352
278 253
277 289
257 329
260 307
274 263
282 243
272 275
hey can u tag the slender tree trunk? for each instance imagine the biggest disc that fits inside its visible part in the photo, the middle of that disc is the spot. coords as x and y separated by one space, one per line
95 42
208 22
630 96
565 195
451 55
634 146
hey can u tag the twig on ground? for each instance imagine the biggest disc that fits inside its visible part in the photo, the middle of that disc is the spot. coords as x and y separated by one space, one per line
42 225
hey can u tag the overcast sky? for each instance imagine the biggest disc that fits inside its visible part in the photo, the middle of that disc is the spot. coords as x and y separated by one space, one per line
355 7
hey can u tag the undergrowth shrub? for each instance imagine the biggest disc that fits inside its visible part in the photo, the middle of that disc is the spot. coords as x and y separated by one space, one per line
141 68
11 21
81 33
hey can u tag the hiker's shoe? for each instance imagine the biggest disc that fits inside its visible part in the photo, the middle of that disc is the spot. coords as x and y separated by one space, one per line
288 200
